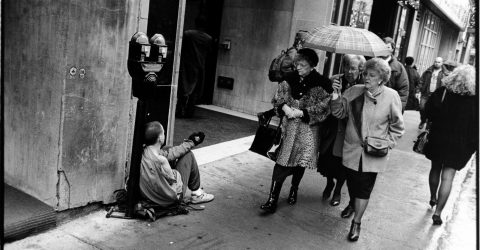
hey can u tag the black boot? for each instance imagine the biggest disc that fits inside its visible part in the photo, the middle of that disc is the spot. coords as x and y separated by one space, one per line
292 197
271 205
354 233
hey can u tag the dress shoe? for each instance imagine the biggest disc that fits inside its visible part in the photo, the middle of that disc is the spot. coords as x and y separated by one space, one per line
335 200
437 220
347 212
420 126
354 233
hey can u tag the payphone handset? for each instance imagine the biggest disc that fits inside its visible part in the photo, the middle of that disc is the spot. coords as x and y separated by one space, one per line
145 60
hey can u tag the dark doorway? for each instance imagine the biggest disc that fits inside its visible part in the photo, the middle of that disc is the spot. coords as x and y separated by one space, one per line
162 18
383 17
212 10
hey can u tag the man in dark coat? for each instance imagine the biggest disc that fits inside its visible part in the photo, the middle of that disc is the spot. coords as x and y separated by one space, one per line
414 80
399 78
436 72
196 45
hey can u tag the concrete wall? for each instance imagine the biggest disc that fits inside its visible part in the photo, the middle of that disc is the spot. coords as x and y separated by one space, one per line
258 31
66 132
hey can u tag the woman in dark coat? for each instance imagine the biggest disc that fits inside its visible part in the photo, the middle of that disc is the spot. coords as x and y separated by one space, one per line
453 133
303 102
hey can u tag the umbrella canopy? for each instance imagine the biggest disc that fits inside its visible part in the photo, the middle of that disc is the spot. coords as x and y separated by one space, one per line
347 40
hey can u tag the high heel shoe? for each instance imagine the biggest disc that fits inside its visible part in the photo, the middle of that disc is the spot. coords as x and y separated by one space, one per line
335 200
433 203
437 220
354 233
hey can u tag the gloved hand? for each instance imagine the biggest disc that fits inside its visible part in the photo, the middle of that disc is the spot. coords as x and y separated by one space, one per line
297 113
287 110
197 137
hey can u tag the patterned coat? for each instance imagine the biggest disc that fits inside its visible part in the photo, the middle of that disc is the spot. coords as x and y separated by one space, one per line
300 136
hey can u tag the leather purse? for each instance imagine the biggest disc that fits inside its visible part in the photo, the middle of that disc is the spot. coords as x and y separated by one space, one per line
265 137
375 146
421 142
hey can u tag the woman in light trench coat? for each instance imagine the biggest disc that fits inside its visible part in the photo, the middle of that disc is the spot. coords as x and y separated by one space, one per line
374 110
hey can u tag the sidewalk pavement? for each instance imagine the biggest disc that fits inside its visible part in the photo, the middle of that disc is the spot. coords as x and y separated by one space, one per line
398 216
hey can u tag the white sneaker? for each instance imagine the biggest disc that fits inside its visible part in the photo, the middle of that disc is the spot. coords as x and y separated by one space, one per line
201 198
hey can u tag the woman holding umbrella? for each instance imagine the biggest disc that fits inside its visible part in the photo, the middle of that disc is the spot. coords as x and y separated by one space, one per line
303 102
374 124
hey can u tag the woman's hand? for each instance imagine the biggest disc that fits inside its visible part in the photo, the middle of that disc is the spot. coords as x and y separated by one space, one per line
296 113
288 111
337 85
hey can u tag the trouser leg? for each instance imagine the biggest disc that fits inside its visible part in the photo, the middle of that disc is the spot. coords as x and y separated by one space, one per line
188 168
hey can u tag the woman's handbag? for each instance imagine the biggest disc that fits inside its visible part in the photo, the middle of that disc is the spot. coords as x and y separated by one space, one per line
265 138
375 146
421 142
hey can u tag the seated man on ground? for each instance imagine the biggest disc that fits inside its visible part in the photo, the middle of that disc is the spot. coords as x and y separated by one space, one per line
166 184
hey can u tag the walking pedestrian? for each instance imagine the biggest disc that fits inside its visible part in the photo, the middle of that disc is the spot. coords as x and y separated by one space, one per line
333 133
300 37
196 45
430 81
451 110
414 81
303 102
374 120
398 78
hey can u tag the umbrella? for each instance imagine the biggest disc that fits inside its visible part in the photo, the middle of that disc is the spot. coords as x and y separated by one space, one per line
347 40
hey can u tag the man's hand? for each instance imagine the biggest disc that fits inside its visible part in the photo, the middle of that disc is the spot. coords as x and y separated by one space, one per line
197 137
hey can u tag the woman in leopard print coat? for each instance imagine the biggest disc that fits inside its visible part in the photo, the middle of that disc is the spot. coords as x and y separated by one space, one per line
302 101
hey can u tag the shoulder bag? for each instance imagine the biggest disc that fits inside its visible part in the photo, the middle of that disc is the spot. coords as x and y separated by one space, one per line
265 137
422 139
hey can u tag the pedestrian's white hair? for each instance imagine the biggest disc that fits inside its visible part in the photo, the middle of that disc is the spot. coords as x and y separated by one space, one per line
461 80
381 66
347 59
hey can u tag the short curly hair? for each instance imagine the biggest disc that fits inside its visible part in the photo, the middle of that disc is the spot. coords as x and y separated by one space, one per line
381 66
348 58
308 55
461 80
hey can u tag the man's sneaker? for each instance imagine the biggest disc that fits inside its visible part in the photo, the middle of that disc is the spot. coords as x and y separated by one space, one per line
202 198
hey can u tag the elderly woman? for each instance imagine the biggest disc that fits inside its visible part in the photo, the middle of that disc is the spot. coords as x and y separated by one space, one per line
333 133
375 121
453 133
303 102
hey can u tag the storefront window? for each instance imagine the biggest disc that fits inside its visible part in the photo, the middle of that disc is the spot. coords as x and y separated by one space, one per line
360 17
